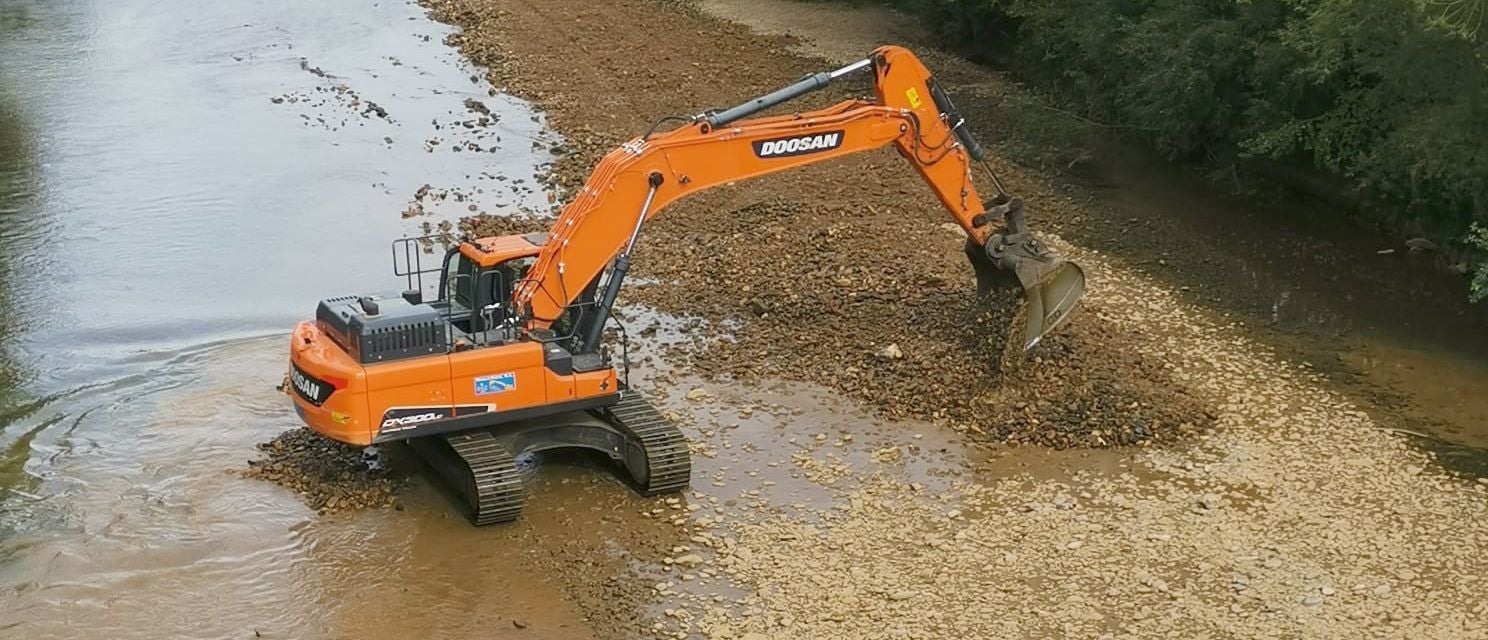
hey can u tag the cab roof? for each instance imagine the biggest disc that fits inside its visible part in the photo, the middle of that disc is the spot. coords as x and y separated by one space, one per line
494 250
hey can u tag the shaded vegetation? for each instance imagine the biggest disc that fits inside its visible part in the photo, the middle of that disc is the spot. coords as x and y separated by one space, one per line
1382 101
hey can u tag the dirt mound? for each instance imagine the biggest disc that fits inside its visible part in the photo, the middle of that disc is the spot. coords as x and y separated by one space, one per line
844 273
327 475
897 328
885 312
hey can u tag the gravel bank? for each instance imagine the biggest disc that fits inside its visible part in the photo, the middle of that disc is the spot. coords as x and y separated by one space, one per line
1271 507
876 300
1295 518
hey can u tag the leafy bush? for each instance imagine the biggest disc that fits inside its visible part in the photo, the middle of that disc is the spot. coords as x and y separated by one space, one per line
1479 238
1389 97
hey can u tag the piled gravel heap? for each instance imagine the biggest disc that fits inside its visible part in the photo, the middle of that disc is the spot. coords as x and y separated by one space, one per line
1297 518
884 310
842 274
899 329
327 475
480 226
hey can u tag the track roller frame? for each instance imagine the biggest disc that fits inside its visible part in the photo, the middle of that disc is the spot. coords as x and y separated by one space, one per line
480 467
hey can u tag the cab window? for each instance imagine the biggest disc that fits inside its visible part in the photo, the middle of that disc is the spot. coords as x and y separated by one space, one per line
459 282
511 272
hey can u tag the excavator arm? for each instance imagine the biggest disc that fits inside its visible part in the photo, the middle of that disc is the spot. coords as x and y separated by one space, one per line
599 227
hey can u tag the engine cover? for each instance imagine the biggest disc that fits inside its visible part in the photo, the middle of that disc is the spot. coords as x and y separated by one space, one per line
381 328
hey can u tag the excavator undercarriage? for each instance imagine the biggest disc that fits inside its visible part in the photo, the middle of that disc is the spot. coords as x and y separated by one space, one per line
509 357
481 466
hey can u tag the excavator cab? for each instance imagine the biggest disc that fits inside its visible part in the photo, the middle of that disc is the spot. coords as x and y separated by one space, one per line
477 299
478 279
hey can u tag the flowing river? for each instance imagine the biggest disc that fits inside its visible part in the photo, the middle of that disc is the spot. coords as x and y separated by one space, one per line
179 184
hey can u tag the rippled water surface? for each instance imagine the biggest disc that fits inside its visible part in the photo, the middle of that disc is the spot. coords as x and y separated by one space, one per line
179 183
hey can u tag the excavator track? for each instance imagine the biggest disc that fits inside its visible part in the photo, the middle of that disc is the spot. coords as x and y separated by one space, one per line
479 468
658 457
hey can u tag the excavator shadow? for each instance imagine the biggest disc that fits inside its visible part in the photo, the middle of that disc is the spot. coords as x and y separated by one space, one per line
483 469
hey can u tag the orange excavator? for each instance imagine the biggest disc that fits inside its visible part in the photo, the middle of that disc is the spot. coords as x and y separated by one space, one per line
510 357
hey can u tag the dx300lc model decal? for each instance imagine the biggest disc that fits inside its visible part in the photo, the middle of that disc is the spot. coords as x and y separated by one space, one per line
798 145
403 418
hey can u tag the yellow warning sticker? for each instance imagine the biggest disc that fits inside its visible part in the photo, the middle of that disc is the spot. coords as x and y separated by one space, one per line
914 97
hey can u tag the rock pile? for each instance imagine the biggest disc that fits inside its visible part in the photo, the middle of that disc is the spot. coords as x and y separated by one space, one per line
483 225
327 475
809 281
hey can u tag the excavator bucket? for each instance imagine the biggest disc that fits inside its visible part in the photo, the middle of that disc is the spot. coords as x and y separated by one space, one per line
1010 268
1052 291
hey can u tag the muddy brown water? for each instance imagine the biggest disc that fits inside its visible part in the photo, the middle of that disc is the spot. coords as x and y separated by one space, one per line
177 187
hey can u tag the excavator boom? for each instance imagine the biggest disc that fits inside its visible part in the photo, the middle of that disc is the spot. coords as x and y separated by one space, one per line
598 228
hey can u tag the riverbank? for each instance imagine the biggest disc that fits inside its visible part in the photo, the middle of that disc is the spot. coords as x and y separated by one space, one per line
1281 509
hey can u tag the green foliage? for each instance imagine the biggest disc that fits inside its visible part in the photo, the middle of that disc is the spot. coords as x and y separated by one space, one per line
1390 99
1389 96
1463 16
986 22
1478 236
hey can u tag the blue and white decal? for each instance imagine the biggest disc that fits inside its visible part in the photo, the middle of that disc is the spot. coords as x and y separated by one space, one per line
499 383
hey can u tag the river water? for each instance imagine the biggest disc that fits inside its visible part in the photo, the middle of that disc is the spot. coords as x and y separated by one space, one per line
178 185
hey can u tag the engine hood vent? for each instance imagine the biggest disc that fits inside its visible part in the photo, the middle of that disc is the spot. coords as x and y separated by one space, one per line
382 328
